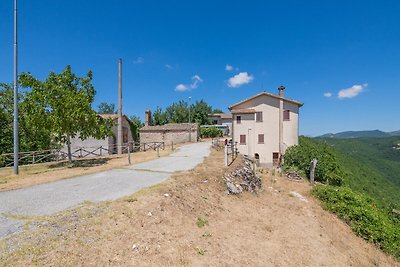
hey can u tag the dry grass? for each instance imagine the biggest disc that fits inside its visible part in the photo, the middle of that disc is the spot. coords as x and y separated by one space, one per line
47 172
158 226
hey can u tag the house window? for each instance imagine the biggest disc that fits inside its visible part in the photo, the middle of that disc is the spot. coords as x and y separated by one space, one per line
261 138
259 116
238 119
242 139
286 115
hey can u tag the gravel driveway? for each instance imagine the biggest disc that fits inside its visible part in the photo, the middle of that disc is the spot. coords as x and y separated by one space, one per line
49 198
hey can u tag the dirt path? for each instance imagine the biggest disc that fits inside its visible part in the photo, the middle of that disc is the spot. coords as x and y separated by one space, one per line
45 199
158 227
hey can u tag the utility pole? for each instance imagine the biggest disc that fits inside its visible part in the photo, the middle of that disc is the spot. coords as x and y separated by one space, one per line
16 139
120 136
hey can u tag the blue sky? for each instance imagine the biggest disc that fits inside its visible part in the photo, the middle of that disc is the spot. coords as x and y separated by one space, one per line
175 49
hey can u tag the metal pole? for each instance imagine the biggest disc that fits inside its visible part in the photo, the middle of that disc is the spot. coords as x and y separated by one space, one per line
119 142
16 139
190 127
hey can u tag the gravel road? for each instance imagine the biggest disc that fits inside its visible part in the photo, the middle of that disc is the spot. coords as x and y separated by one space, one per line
49 198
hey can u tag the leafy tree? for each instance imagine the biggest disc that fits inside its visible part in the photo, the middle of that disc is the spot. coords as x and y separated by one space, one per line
135 123
178 112
106 108
217 110
62 103
31 137
200 111
159 117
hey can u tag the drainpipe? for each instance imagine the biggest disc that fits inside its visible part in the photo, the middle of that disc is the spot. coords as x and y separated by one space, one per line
281 94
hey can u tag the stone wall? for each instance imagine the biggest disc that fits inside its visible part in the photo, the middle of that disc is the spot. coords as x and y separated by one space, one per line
168 136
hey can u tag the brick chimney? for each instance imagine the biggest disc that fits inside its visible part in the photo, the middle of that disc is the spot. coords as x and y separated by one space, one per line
281 89
147 118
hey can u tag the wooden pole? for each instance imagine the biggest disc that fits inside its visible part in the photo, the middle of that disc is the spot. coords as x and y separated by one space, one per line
313 165
129 154
226 155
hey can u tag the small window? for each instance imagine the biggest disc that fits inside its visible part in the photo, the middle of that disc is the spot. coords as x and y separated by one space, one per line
242 139
286 115
259 116
261 139
238 119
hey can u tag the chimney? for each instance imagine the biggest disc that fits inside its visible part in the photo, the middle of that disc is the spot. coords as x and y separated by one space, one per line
281 89
147 118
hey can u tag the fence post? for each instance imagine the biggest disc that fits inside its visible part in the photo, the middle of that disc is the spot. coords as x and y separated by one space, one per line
158 151
129 154
33 158
172 145
226 155
313 165
101 148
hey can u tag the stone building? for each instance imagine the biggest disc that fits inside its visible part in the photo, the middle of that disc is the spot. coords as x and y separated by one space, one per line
171 132
109 144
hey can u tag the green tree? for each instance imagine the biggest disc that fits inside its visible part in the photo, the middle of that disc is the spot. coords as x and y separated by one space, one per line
135 123
178 112
199 112
106 108
217 110
62 103
159 117
31 137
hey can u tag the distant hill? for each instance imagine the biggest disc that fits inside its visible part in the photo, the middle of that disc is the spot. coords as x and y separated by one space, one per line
373 165
360 134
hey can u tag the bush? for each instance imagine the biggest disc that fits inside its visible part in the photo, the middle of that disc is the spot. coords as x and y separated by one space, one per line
211 132
363 216
328 170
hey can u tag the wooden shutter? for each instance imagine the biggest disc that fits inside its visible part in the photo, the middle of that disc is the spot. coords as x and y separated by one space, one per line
242 139
261 139
286 115
259 116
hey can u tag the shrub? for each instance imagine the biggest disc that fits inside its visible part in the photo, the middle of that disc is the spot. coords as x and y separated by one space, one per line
363 216
211 132
299 157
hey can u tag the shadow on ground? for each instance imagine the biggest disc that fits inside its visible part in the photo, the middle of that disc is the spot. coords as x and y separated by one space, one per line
82 163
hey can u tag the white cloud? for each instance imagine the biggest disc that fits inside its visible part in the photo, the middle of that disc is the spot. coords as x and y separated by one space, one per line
196 80
181 87
139 60
240 79
169 66
228 67
328 94
353 91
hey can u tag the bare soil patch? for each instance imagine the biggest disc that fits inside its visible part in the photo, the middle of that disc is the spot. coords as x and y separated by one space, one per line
190 221
48 172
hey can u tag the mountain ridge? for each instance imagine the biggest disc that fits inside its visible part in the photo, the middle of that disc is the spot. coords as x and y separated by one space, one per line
360 134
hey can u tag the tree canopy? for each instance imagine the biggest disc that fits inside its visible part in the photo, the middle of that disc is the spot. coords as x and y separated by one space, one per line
178 112
62 103
106 108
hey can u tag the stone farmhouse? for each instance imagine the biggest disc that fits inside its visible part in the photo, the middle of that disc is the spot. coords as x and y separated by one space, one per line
169 133
265 125
109 143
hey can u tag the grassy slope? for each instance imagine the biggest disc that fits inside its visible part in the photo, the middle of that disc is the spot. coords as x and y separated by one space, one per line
373 165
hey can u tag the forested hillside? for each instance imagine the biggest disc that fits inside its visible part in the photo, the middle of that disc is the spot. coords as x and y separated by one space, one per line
373 165
360 183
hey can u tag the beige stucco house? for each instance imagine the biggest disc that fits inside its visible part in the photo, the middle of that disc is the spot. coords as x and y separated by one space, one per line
265 125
